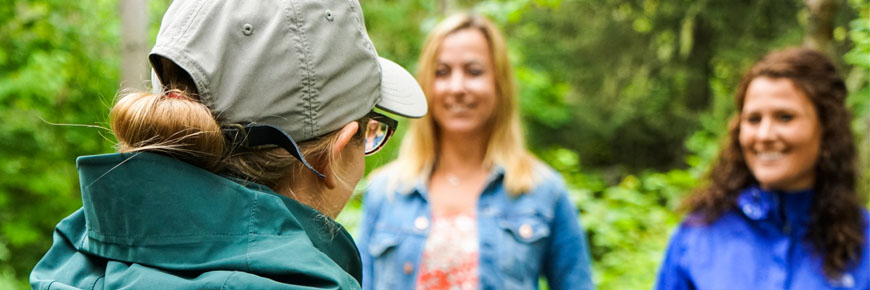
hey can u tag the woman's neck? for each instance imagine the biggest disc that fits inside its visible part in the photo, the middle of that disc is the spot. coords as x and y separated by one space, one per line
461 153
459 175
308 190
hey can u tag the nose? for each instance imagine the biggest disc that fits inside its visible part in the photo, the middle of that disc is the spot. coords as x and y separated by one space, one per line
766 130
456 84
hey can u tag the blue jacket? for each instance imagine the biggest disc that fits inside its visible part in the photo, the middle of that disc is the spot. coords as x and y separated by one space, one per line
759 245
395 226
152 222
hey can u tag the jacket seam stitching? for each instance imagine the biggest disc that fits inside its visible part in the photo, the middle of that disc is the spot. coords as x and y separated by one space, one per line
251 233
94 284
227 280
167 236
310 93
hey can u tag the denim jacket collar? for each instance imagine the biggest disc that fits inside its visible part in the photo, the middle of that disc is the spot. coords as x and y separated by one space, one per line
421 186
777 207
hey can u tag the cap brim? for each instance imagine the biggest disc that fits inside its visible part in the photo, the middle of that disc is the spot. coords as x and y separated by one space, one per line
400 92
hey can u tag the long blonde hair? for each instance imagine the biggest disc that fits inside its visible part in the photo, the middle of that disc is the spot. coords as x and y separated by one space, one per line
506 148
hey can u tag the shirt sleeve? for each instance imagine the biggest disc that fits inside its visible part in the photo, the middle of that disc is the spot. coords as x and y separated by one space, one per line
672 276
566 264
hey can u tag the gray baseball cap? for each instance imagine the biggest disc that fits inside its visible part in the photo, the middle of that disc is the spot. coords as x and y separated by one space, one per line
303 67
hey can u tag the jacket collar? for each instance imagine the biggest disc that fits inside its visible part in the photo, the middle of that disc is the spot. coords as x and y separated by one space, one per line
153 209
779 207
421 185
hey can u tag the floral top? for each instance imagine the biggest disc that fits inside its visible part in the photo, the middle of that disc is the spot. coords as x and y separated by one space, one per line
450 257
520 238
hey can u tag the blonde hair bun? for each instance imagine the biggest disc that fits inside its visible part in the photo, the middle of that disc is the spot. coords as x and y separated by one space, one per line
173 123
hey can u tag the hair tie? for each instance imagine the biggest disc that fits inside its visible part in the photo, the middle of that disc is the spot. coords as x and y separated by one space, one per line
175 95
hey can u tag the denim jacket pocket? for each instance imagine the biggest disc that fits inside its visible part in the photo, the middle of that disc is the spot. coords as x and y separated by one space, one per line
525 229
381 242
384 249
521 249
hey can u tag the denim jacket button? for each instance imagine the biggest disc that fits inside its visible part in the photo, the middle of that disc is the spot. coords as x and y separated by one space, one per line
408 268
526 231
421 223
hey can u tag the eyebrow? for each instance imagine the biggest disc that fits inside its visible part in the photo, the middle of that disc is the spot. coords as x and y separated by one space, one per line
441 62
791 109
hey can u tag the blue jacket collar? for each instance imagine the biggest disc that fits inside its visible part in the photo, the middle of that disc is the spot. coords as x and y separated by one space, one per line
774 206
421 186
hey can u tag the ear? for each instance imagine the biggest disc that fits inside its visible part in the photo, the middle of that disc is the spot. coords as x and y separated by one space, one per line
345 135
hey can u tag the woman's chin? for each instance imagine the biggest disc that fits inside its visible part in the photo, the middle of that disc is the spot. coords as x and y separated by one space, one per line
462 131
461 127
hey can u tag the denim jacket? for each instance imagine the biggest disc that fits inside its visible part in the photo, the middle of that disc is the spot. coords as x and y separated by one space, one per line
759 245
396 223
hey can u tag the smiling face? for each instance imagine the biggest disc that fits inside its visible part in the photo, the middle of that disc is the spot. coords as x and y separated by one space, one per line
464 91
780 134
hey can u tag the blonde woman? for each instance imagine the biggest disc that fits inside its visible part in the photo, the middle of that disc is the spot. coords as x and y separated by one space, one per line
209 189
466 205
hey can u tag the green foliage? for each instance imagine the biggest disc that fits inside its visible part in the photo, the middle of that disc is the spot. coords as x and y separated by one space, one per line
639 76
628 223
400 43
859 85
7 276
49 73
860 36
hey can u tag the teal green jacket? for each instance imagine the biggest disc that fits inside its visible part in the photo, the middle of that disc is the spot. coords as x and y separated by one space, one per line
149 221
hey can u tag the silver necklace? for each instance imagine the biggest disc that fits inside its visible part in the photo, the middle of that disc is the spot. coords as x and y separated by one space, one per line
452 179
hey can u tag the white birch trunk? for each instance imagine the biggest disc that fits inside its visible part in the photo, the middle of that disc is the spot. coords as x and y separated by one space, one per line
135 70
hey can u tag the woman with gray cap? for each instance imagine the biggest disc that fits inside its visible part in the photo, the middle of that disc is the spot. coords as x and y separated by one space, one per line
209 189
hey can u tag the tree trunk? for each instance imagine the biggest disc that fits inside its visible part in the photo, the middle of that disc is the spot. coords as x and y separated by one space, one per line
446 7
134 58
820 24
698 92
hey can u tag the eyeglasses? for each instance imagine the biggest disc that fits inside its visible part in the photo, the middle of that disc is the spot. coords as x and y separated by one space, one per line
379 128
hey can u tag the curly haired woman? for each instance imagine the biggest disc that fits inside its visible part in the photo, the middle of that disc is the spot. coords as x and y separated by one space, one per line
780 209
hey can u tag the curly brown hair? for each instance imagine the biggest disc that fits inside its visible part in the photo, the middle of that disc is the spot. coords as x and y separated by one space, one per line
836 225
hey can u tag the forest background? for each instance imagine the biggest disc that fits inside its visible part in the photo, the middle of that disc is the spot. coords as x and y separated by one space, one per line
627 99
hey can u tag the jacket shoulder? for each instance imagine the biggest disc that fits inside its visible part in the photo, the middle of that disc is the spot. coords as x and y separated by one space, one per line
379 179
64 265
695 236
549 183
383 184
